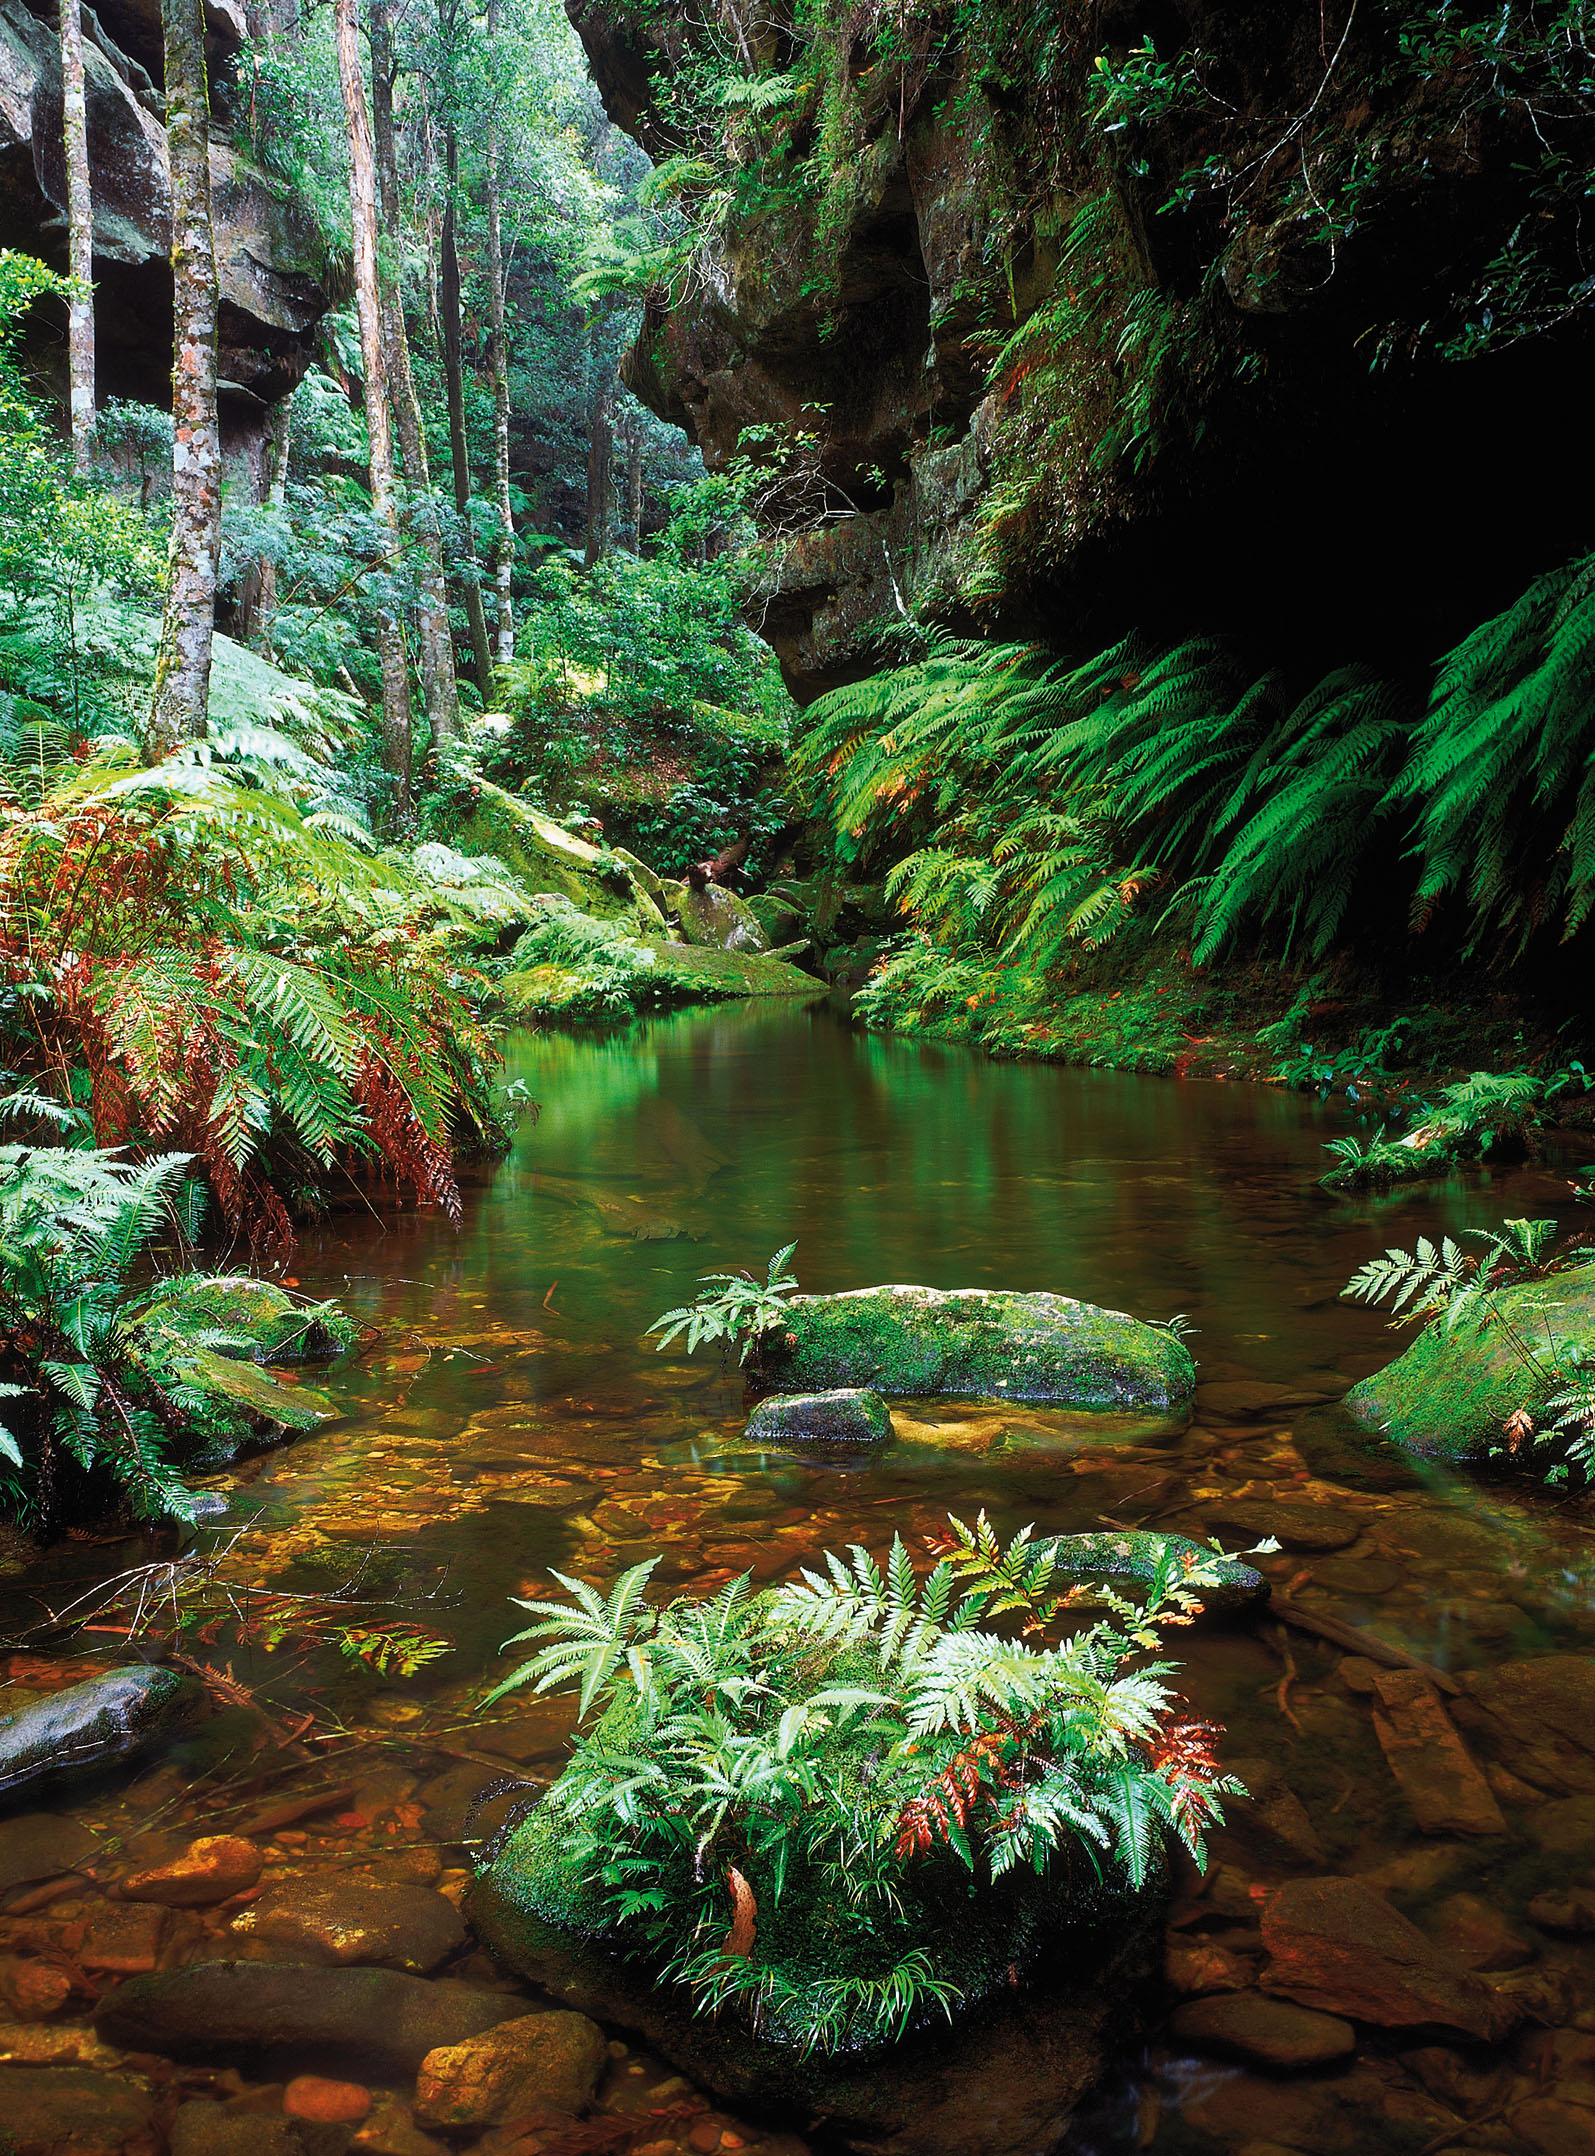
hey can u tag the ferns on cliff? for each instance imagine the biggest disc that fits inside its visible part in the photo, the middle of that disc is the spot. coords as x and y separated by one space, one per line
1028 803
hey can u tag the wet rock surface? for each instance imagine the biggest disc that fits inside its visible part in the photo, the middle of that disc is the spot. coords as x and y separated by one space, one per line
211 1869
86 1728
235 2007
1337 1946
553 2059
846 1416
341 1920
1270 2031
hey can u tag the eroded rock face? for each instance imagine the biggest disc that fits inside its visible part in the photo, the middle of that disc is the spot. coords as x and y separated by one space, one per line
861 294
269 261
979 1343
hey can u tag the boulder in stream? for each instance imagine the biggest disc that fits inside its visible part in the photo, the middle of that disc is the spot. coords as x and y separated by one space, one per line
980 1343
88 1727
717 916
1003 2081
1452 1393
851 1415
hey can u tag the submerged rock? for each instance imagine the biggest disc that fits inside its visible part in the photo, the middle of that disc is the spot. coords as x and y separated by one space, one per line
338 1920
553 2059
987 1343
210 1870
1270 2031
94 1725
1337 1946
230 2006
1452 1393
72 2111
41 1845
847 1416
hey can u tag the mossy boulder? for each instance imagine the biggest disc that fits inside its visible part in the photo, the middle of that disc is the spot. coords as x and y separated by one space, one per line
718 918
978 1343
268 1324
546 856
849 1416
1002 2080
738 973
1451 1394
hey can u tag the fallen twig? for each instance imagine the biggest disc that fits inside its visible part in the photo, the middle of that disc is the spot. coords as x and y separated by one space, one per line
1358 1642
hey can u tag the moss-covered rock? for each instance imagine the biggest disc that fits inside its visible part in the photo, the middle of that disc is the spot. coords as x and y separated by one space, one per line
545 855
739 973
1134 1555
265 1321
992 2085
984 1343
717 917
1451 1394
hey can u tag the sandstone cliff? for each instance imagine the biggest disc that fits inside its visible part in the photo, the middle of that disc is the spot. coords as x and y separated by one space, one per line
273 279
1048 395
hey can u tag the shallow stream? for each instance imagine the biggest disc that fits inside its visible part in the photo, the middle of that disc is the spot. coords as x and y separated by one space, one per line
513 1419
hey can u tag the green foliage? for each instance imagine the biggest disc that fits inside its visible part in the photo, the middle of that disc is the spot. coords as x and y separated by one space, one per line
109 1377
742 1307
191 959
1447 1281
1465 1121
805 1766
570 966
1029 804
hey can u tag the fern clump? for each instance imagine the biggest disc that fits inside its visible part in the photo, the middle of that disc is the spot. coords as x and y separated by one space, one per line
113 1378
849 1806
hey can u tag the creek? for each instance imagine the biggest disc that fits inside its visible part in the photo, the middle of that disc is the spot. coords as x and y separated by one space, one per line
512 1418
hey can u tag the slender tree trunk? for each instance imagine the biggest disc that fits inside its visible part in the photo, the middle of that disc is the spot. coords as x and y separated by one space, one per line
504 547
80 235
188 625
454 382
598 442
279 438
438 690
634 487
396 741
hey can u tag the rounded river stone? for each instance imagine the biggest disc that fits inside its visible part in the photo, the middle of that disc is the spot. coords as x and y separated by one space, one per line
850 1415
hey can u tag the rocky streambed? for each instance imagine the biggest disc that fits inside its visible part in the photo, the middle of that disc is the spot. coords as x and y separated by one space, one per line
257 1938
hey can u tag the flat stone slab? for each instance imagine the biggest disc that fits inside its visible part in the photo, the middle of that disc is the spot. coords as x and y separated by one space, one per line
1337 1946
850 1415
1271 2032
978 1343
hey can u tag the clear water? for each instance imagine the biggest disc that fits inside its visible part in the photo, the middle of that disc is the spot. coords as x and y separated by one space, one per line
512 1418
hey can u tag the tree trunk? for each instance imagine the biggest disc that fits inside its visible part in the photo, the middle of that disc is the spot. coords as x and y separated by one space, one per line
438 689
504 547
80 236
188 625
279 436
454 382
396 742
634 487
598 438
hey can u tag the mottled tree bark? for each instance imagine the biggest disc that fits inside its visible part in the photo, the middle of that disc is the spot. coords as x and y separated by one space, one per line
454 383
80 235
438 689
188 625
396 737
504 546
